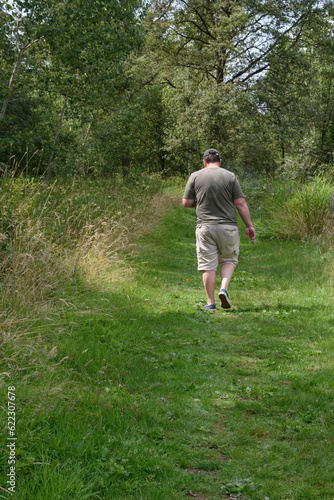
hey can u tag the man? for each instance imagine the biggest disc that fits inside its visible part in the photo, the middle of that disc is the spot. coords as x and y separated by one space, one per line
216 194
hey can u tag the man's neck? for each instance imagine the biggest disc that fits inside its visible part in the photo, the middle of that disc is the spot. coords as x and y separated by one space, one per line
216 165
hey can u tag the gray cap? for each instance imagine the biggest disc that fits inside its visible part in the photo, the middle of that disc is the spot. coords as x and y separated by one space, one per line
209 152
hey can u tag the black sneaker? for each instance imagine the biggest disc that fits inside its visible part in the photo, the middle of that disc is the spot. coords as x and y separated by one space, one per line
224 299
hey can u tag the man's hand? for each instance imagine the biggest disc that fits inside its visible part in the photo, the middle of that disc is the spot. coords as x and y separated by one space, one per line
250 231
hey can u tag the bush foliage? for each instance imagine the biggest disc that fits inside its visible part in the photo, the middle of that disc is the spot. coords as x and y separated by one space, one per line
298 211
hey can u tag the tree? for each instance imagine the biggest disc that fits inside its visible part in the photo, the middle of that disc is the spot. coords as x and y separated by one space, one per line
212 56
80 63
297 97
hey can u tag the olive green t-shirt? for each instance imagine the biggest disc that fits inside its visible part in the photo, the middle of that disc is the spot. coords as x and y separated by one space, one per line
214 190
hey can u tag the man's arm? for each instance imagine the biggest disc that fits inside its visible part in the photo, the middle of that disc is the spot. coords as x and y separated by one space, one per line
243 210
188 203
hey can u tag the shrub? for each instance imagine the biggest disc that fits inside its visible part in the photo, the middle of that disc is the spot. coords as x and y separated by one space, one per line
299 211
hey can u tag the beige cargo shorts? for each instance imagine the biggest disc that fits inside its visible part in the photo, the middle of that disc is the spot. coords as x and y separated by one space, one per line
216 244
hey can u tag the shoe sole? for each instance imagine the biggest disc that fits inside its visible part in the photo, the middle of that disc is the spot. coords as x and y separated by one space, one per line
224 301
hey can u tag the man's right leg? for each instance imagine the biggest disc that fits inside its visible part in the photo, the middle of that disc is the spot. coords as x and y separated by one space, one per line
226 274
228 238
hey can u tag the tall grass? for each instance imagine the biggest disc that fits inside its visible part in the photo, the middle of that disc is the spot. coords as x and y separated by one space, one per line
299 211
65 231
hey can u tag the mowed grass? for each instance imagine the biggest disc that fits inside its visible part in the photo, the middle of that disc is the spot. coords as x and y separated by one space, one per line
132 391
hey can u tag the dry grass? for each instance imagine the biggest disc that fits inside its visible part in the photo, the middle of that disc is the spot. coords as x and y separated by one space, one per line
327 236
32 270
101 246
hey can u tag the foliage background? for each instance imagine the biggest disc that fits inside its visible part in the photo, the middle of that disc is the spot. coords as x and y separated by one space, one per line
96 88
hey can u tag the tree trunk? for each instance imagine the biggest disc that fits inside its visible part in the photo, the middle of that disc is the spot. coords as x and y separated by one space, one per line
11 83
85 138
282 152
13 75
48 171
126 167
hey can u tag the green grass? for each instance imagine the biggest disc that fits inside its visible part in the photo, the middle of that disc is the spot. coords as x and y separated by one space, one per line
131 391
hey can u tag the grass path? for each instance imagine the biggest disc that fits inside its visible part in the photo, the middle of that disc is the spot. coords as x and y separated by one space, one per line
143 395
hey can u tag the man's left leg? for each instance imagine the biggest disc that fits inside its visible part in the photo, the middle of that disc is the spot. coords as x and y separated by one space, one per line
207 258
